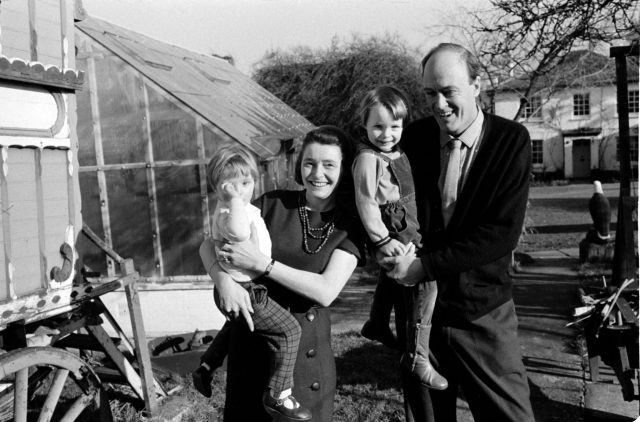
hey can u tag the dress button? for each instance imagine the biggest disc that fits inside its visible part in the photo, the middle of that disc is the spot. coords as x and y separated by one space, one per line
311 353
310 316
315 386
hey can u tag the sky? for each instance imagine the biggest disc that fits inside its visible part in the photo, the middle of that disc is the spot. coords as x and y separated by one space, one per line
247 29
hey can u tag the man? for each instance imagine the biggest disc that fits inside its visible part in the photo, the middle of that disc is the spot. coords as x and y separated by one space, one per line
471 172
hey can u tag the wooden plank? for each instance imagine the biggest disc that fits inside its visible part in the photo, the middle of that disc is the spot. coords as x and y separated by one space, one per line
122 364
151 186
48 26
66 18
202 170
97 135
14 21
139 336
140 165
84 342
24 229
40 206
626 311
126 344
33 35
6 287
57 213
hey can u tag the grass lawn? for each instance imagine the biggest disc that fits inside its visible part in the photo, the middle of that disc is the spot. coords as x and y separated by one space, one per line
368 388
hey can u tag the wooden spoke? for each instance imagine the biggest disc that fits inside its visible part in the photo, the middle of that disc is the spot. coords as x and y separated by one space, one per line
21 395
17 366
54 395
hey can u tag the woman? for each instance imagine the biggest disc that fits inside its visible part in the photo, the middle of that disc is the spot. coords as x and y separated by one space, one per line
317 242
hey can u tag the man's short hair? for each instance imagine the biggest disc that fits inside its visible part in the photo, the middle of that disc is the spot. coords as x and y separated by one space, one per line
474 67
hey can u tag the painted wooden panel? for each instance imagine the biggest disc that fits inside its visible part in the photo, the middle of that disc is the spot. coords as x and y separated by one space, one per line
56 209
49 47
14 29
3 275
86 143
21 180
26 107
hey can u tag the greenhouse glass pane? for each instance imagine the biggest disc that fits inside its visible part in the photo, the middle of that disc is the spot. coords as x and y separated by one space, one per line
121 110
173 131
130 218
180 219
92 256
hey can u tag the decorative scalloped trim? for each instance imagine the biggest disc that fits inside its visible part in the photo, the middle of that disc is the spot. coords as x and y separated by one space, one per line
17 69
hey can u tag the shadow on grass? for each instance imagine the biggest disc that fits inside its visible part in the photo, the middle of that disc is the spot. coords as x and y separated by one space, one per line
367 363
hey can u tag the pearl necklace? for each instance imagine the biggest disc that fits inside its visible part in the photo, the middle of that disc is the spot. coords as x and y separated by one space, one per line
310 232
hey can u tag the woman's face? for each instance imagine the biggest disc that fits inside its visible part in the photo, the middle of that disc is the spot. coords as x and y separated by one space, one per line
321 170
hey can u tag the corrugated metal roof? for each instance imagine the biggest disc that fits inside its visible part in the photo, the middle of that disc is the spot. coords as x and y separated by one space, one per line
209 85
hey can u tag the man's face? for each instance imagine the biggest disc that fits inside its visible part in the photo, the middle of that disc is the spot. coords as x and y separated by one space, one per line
451 95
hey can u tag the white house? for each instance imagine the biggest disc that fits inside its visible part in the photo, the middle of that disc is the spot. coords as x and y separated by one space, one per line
572 116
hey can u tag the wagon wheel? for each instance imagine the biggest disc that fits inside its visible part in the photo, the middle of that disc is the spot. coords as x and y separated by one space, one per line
24 367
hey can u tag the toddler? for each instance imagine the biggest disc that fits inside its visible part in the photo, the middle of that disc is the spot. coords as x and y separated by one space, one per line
231 174
385 199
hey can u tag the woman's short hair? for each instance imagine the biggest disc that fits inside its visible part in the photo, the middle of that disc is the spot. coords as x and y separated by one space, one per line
231 161
329 135
389 97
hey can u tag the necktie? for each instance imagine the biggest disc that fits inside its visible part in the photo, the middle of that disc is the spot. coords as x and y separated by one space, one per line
451 178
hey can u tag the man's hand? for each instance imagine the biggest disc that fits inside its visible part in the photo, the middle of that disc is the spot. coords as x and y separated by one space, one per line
392 248
407 270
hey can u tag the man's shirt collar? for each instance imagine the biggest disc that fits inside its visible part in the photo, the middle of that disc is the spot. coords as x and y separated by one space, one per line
469 136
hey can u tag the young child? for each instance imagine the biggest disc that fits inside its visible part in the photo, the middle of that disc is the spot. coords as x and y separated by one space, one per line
231 174
385 198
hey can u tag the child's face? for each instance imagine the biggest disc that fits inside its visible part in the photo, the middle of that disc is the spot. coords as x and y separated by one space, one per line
383 130
237 186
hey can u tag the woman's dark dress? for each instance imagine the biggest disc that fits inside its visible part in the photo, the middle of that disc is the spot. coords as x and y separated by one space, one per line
315 372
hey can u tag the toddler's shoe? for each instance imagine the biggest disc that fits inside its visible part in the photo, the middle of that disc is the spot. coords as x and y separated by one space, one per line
382 334
287 407
202 381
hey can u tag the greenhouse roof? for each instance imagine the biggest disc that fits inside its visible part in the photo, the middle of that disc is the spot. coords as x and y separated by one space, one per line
208 85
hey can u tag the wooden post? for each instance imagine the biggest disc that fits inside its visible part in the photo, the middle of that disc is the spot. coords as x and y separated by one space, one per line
624 265
139 336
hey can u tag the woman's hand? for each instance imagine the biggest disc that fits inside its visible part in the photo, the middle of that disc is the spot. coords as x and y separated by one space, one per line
233 299
245 255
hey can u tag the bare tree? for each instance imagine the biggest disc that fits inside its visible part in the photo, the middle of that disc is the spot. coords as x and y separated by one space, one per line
528 39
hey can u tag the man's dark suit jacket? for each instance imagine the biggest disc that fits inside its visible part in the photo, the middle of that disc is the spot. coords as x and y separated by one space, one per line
471 257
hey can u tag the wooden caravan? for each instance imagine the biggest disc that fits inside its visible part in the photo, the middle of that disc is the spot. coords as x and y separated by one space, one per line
46 305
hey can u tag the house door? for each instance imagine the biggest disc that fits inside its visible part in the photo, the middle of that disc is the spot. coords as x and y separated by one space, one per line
581 158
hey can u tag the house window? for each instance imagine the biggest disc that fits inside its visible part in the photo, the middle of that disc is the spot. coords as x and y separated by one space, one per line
633 101
536 151
581 106
532 108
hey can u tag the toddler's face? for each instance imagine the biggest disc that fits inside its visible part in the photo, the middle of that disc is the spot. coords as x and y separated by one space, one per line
236 187
383 130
